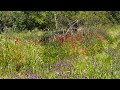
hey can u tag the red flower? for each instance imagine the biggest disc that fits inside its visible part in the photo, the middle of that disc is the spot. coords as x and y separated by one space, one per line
69 40
68 36
17 40
84 51
74 45
60 38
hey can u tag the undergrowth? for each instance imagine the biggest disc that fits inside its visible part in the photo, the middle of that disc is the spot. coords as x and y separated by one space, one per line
93 55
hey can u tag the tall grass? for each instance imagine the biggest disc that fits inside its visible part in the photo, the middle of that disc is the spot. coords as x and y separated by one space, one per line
93 55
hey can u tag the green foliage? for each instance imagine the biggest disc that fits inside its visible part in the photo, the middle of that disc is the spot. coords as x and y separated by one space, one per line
51 20
96 54
12 19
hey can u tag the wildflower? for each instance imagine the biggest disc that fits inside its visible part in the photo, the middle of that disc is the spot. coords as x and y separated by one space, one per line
70 37
81 41
74 45
34 76
69 40
27 74
84 51
17 40
67 36
60 38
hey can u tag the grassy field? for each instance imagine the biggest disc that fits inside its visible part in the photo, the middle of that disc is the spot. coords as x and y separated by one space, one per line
95 55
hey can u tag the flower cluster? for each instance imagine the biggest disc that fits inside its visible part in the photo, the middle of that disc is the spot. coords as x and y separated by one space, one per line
70 39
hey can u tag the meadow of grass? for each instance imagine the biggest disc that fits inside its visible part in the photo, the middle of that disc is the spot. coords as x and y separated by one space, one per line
95 55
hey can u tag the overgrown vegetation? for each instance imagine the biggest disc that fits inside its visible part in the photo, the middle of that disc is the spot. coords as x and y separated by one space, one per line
35 45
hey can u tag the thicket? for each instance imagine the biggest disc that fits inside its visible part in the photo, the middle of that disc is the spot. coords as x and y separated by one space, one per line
55 20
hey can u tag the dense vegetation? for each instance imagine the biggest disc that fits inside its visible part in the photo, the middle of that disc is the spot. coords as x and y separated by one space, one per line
42 45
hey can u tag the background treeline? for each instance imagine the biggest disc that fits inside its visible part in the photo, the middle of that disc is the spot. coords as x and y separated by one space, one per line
52 20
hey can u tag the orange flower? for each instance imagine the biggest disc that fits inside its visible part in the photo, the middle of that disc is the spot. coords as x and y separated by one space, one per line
84 51
67 36
17 40
60 38
74 45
